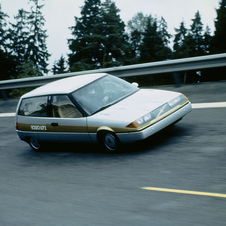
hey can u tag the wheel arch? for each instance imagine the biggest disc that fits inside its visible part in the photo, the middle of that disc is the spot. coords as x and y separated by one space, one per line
103 129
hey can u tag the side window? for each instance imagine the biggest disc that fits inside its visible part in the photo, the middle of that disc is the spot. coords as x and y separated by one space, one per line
63 107
34 107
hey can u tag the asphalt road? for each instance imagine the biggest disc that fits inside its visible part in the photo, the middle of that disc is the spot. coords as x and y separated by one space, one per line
80 185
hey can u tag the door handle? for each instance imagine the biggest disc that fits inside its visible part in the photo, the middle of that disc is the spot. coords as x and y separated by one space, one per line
54 124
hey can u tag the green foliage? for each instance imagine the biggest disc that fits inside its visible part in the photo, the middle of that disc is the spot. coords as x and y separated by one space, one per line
27 39
179 41
154 43
83 46
7 60
99 39
137 26
17 93
113 40
192 42
7 65
196 37
59 66
207 40
28 69
219 43
18 34
3 24
138 22
23 41
149 38
36 41
80 66
135 42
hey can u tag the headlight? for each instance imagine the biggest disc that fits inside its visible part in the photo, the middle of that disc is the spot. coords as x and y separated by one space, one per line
145 119
158 112
178 100
174 101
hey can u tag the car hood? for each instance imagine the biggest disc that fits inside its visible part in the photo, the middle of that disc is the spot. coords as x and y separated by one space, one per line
136 105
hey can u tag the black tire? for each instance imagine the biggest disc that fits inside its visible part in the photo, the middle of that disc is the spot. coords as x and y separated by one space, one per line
109 142
35 144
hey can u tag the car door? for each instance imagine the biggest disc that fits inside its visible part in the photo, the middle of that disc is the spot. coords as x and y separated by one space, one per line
68 122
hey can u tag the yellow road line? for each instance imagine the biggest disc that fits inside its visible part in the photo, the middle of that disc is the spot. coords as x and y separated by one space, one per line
185 192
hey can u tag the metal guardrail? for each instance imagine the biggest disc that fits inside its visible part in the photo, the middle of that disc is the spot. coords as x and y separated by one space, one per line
186 64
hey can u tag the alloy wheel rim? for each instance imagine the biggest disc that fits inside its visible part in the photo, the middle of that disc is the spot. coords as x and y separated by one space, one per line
34 143
110 142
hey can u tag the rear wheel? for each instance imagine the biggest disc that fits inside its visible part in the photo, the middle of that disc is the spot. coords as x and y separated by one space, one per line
35 144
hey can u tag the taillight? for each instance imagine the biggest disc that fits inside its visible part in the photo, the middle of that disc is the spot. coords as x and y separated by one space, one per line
16 125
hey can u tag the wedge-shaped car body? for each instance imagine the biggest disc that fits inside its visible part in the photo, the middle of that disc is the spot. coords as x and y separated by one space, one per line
98 108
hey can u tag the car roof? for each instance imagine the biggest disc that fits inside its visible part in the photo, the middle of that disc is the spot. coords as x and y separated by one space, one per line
66 85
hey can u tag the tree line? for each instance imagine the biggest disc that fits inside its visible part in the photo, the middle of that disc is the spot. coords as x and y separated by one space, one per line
100 39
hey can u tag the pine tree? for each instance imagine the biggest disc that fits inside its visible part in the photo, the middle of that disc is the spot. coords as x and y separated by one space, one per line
111 30
7 61
207 40
3 35
154 43
27 69
59 66
83 55
99 39
135 42
19 34
219 43
138 22
179 47
196 36
151 40
191 43
3 54
37 49
165 51
136 27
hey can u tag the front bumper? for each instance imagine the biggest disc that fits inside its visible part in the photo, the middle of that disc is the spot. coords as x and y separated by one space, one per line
154 128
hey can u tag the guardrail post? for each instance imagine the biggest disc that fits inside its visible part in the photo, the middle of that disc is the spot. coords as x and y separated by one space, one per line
185 77
176 79
4 95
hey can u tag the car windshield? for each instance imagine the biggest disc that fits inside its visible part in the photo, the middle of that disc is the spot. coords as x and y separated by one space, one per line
102 93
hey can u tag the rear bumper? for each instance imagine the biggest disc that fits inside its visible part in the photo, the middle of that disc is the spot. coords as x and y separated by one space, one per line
154 128
23 135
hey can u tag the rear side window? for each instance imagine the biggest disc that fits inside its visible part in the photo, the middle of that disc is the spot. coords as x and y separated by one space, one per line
34 107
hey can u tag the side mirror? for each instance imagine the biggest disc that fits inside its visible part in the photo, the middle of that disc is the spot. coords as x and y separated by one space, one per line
135 84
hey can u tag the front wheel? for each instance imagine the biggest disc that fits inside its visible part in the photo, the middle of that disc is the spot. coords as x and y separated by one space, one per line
110 142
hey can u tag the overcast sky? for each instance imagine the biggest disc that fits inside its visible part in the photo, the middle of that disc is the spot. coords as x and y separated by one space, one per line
59 16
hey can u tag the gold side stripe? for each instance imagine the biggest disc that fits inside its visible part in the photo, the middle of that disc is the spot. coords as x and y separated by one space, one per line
65 129
71 129
49 128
